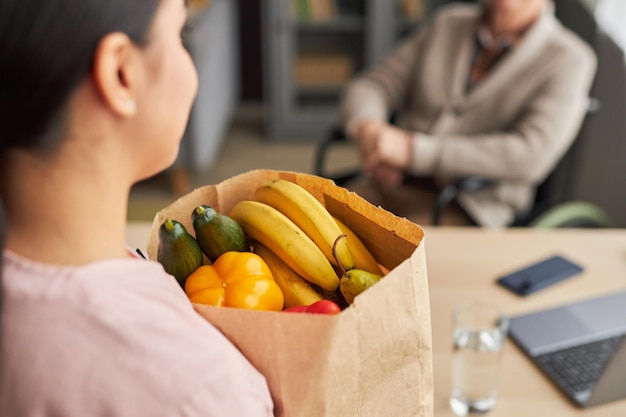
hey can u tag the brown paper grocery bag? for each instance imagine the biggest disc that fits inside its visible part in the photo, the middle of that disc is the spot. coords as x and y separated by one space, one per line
372 359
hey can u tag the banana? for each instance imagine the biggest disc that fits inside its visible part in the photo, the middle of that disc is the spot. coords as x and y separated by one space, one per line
269 226
297 290
309 214
363 259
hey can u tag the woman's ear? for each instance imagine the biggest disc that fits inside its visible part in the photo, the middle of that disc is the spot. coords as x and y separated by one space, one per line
115 73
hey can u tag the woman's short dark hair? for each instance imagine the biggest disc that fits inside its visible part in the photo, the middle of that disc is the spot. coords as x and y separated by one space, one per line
46 49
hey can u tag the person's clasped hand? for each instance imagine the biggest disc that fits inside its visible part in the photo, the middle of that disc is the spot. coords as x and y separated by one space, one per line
385 151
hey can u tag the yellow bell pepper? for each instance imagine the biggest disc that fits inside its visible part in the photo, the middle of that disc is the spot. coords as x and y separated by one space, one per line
236 279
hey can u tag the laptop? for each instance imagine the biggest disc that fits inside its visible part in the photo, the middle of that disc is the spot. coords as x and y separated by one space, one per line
580 347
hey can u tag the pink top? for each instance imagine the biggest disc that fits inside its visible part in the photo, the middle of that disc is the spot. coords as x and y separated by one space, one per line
115 338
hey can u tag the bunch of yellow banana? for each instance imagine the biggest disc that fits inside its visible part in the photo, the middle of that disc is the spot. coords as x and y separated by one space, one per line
301 207
291 223
273 229
362 257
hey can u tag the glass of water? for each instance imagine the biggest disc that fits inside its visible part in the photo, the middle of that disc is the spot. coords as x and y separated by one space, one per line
480 331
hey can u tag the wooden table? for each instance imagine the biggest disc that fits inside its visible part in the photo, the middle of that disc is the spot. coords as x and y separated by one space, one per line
463 264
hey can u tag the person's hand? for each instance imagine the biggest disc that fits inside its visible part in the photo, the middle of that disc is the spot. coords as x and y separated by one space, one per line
385 152
394 147
366 136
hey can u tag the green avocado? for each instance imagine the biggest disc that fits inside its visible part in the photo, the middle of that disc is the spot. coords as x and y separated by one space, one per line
217 233
178 252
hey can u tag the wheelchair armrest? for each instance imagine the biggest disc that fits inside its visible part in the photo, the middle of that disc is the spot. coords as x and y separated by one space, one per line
450 192
573 214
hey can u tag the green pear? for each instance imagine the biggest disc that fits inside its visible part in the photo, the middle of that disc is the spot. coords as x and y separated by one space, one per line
355 281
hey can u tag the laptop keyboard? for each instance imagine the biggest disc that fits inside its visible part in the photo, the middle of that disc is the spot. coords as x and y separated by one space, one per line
576 369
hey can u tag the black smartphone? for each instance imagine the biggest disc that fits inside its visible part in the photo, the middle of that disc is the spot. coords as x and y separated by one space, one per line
539 275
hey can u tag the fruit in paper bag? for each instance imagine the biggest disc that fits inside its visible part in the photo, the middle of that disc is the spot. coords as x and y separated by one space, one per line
217 233
363 259
236 279
355 281
178 251
273 229
319 307
297 290
302 208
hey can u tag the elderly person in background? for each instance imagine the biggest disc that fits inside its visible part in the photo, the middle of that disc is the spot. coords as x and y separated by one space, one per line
498 91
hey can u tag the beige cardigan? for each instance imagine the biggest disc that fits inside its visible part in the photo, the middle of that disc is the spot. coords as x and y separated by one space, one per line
514 125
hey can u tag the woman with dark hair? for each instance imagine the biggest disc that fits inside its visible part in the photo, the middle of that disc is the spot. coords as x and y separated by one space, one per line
94 96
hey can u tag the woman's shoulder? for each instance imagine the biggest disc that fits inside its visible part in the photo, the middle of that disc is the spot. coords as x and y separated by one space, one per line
455 12
563 51
567 43
452 21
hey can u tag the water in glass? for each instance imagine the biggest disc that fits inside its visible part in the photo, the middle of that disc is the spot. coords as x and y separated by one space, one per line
475 366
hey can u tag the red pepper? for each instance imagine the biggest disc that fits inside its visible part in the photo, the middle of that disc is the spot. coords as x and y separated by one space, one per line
318 307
